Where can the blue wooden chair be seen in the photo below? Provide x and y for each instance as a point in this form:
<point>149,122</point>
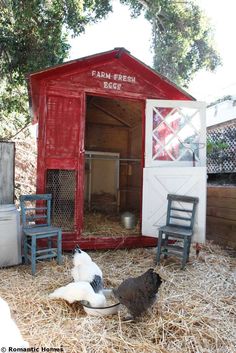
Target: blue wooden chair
<point>36,224</point>
<point>180,217</point>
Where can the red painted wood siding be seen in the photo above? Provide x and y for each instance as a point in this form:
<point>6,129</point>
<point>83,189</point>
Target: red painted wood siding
<point>62,126</point>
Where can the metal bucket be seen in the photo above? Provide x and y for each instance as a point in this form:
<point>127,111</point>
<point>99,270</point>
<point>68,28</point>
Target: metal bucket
<point>128,220</point>
<point>10,236</point>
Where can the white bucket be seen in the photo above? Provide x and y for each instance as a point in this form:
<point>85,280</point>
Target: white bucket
<point>10,237</point>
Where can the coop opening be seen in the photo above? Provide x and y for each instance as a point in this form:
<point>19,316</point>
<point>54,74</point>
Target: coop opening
<point>113,167</point>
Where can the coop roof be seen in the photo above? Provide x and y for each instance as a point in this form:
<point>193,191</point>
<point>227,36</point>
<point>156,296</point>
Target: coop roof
<point>161,87</point>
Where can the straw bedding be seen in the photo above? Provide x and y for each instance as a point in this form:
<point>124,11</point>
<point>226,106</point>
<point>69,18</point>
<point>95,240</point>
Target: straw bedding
<point>195,310</point>
<point>98,224</point>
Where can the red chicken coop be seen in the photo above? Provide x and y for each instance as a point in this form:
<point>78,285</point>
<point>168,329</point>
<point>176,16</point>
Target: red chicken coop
<point>114,138</point>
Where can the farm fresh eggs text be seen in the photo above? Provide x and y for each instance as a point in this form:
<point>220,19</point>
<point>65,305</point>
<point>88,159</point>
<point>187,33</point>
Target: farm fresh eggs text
<point>118,77</point>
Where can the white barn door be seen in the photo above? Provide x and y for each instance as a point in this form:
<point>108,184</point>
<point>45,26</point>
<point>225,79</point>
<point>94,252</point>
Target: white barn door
<point>175,161</point>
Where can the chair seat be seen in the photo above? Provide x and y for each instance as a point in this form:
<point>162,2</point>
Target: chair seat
<point>41,231</point>
<point>176,231</point>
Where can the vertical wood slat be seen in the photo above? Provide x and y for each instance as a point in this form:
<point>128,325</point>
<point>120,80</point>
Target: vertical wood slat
<point>221,215</point>
<point>7,166</point>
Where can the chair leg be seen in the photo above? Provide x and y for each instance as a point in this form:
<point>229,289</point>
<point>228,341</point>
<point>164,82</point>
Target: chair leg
<point>185,253</point>
<point>49,243</point>
<point>189,245</point>
<point>166,246</point>
<point>33,255</point>
<point>59,247</point>
<point>25,244</point>
<point>159,244</point>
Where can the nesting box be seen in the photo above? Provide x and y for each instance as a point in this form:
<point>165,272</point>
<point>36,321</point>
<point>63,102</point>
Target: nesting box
<point>115,136</point>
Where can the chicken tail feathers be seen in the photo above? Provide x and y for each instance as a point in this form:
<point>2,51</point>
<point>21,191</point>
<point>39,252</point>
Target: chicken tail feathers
<point>97,284</point>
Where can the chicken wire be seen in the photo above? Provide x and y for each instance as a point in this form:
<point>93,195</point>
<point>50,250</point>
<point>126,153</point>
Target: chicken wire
<point>61,184</point>
<point>222,160</point>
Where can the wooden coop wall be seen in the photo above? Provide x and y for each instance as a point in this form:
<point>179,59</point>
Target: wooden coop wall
<point>115,126</point>
<point>104,138</point>
<point>103,177</point>
<point>135,169</point>
<point>101,182</point>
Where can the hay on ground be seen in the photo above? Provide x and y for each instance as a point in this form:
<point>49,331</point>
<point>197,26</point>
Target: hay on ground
<point>98,224</point>
<point>195,310</point>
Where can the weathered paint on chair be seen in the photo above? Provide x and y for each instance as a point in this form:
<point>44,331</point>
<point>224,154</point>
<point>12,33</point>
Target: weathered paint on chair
<point>177,230</point>
<point>36,224</point>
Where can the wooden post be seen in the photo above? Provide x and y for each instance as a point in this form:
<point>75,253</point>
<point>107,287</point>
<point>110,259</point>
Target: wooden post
<point>7,169</point>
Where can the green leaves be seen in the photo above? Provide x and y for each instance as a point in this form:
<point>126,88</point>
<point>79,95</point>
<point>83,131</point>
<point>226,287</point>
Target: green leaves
<point>14,110</point>
<point>215,146</point>
<point>185,44</point>
<point>34,35</point>
<point>182,39</point>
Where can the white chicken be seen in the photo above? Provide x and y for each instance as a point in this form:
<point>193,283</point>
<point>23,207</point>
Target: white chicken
<point>10,335</point>
<point>86,270</point>
<point>77,291</point>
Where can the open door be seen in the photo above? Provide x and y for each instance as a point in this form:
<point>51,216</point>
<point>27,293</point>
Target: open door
<point>175,161</point>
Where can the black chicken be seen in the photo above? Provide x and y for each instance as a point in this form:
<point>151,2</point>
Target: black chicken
<point>139,293</point>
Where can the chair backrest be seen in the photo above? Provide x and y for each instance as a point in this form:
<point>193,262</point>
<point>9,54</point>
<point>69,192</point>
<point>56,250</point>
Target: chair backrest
<point>181,210</point>
<point>35,210</point>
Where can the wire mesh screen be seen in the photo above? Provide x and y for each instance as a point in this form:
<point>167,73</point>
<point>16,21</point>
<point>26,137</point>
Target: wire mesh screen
<point>61,184</point>
<point>222,158</point>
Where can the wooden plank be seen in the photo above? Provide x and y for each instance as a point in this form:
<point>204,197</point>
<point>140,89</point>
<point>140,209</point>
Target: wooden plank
<point>114,116</point>
<point>222,241</point>
<point>222,212</point>
<point>62,127</point>
<point>222,221</point>
<point>7,162</point>
<point>222,233</point>
<point>96,243</point>
<point>221,215</point>
<point>222,202</point>
<point>103,138</point>
<point>219,237</point>
<point>221,191</point>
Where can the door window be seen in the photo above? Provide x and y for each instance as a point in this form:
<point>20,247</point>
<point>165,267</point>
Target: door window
<point>176,134</point>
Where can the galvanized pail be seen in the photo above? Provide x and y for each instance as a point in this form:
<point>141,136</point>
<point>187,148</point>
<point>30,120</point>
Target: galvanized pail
<point>128,220</point>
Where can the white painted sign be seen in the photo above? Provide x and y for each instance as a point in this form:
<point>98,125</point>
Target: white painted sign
<point>110,77</point>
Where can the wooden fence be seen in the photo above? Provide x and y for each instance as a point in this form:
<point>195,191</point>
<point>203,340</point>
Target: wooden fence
<point>7,164</point>
<point>221,215</point>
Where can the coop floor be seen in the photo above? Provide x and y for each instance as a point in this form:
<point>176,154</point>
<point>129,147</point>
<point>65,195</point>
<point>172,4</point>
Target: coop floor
<point>104,225</point>
<point>194,312</point>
